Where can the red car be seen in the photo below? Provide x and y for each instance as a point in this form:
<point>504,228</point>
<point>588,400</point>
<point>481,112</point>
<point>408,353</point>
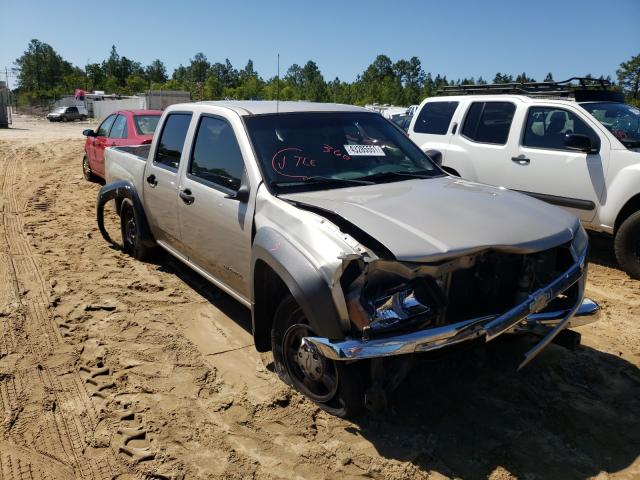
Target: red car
<point>124,127</point>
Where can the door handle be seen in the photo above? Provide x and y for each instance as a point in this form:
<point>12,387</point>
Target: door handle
<point>151,180</point>
<point>521,160</point>
<point>186,196</point>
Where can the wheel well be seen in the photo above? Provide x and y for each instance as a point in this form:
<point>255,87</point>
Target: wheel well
<point>632,206</point>
<point>451,171</point>
<point>269,290</point>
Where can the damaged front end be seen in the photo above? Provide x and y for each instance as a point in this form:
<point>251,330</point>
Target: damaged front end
<point>398,308</point>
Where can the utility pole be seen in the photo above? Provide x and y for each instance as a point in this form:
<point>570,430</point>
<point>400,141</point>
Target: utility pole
<point>9,110</point>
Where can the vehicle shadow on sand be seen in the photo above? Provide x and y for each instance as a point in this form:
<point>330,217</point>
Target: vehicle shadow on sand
<point>601,251</point>
<point>223,302</point>
<point>568,415</point>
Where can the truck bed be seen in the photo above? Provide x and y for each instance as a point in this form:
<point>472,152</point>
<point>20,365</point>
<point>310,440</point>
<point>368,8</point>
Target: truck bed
<point>140,151</point>
<point>126,163</point>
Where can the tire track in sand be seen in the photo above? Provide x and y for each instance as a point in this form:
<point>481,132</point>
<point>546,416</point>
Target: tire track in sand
<point>45,438</point>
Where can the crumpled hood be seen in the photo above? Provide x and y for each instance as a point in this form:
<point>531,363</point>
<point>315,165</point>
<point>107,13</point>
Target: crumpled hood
<point>432,219</point>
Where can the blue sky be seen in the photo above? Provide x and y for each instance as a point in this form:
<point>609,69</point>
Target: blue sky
<point>461,38</point>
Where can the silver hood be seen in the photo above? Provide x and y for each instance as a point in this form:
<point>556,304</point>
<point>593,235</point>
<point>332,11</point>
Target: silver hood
<point>433,219</point>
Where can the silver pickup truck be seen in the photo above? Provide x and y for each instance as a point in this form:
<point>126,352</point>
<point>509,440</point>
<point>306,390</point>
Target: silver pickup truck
<point>351,247</point>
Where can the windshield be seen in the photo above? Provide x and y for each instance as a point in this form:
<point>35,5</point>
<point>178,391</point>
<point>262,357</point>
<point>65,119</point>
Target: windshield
<point>341,149</point>
<point>60,110</point>
<point>622,120</point>
<point>146,124</point>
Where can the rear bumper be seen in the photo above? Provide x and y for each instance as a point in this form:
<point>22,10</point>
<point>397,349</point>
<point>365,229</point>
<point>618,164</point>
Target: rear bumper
<point>521,318</point>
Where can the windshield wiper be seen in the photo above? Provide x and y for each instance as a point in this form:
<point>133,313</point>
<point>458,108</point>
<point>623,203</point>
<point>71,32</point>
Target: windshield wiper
<point>321,179</point>
<point>391,174</point>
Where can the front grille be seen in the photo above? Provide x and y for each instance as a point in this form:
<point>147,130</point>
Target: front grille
<point>499,281</point>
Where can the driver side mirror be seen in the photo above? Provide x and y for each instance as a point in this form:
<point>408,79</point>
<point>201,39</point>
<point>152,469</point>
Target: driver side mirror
<point>89,133</point>
<point>581,143</point>
<point>241,195</point>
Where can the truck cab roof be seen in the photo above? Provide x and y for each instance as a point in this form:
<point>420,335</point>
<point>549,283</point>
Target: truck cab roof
<point>261,107</point>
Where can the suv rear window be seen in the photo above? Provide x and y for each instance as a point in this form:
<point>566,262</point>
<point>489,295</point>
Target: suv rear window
<point>172,139</point>
<point>434,118</point>
<point>489,122</point>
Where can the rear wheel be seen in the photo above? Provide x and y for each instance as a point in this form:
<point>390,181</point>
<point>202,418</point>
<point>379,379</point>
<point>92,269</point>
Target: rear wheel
<point>334,386</point>
<point>86,170</point>
<point>83,117</point>
<point>130,227</point>
<point>627,245</point>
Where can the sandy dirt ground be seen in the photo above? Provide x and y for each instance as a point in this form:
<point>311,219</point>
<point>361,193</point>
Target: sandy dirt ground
<point>113,368</point>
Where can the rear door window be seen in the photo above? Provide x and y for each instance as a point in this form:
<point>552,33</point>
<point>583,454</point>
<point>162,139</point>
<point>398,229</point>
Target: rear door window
<point>216,155</point>
<point>119,128</point>
<point>435,117</point>
<point>146,124</point>
<point>489,122</point>
<point>171,144</point>
<point>548,127</point>
<point>103,129</point>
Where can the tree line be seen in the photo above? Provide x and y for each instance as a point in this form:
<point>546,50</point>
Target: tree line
<point>43,74</point>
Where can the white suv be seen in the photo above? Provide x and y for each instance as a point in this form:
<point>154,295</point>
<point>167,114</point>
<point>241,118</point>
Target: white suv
<point>579,151</point>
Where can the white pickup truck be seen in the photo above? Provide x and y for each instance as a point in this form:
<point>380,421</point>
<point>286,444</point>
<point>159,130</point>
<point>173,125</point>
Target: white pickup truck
<point>579,149</point>
<point>351,247</point>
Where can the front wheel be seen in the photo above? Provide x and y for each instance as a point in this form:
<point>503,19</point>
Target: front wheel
<point>335,387</point>
<point>131,230</point>
<point>627,246</point>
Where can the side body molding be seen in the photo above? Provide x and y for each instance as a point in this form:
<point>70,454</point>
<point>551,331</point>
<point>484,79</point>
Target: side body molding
<point>303,280</point>
<point>120,190</point>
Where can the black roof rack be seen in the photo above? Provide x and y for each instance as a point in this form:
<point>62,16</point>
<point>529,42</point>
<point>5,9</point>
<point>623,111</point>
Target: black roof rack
<point>586,89</point>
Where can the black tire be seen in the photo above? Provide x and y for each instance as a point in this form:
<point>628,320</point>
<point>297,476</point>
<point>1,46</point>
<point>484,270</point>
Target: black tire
<point>65,119</point>
<point>89,176</point>
<point>131,232</point>
<point>340,391</point>
<point>83,118</point>
<point>627,245</point>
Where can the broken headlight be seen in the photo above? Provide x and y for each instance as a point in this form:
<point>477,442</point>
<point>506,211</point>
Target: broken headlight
<point>393,308</point>
<point>410,305</point>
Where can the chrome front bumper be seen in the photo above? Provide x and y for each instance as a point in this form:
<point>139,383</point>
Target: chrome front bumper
<point>521,318</point>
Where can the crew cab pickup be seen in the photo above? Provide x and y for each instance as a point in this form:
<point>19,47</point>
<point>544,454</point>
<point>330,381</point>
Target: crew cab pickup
<point>346,241</point>
<point>582,154</point>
